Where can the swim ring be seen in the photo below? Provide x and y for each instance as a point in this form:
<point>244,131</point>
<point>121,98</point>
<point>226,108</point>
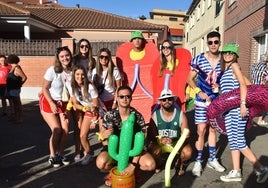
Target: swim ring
<point>256,102</point>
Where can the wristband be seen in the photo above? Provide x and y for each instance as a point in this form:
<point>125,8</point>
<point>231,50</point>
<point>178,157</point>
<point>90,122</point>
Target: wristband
<point>100,138</point>
<point>134,164</point>
<point>84,109</point>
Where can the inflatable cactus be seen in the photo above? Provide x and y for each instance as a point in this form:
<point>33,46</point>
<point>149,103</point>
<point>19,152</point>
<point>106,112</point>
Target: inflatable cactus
<point>122,154</point>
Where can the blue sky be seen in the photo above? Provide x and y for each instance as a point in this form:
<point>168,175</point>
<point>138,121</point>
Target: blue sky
<point>129,8</point>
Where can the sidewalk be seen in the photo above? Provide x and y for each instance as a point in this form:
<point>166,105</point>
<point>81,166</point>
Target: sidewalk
<point>24,154</point>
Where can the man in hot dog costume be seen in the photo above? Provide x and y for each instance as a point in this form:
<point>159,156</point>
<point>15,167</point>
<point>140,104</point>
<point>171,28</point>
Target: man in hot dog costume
<point>134,60</point>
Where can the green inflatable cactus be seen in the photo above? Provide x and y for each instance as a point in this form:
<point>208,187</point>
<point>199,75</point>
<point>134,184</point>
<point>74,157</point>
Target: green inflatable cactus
<point>126,137</point>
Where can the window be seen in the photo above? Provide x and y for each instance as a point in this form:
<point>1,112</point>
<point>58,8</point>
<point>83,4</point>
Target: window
<point>218,8</point>
<point>176,38</point>
<point>198,13</point>
<point>209,3</point>
<point>231,2</point>
<point>263,45</point>
<point>173,19</point>
<point>203,7</point>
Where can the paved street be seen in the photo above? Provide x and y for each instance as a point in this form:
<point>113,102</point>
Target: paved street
<point>24,154</point>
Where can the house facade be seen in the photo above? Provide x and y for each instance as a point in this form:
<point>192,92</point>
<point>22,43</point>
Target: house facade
<point>202,17</point>
<point>174,20</point>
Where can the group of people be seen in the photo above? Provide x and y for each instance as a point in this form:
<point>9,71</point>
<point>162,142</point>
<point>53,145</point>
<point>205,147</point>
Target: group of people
<point>98,97</point>
<point>12,77</point>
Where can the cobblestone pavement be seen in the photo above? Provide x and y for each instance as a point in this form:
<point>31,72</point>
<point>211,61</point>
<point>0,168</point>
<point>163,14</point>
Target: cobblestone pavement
<point>24,154</point>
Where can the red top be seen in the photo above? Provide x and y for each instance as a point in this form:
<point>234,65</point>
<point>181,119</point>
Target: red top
<point>4,70</point>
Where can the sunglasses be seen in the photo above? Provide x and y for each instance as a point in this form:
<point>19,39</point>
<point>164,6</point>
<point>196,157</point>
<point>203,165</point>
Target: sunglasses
<point>124,96</point>
<point>59,49</point>
<point>84,46</point>
<point>228,53</point>
<point>167,99</point>
<point>104,56</point>
<point>165,47</point>
<point>215,42</point>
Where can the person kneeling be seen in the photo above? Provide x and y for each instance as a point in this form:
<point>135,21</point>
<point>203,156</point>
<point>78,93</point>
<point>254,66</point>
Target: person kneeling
<point>165,128</point>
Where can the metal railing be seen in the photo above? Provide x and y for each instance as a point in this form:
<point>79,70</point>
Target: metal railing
<point>47,47</point>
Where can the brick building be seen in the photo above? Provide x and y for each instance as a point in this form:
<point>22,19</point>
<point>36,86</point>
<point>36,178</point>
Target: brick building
<point>246,23</point>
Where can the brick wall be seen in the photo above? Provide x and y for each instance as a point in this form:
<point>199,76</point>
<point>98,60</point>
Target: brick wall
<point>34,68</point>
<point>240,24</point>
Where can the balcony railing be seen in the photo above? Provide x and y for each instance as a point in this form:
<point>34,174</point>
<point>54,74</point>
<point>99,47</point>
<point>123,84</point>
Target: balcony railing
<point>47,47</point>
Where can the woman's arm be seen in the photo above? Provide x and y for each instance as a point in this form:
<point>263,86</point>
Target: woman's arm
<point>243,88</point>
<point>19,72</point>
<point>46,93</point>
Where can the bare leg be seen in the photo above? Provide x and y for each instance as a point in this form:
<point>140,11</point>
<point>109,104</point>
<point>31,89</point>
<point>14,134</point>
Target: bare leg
<point>54,124</point>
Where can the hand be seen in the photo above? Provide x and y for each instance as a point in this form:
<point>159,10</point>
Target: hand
<point>106,133</point>
<point>129,170</point>
<point>166,140</point>
<point>243,111</point>
<point>204,96</point>
<point>53,107</point>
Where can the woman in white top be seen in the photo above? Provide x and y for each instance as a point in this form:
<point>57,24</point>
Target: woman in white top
<point>84,97</point>
<point>53,109</point>
<point>106,78</point>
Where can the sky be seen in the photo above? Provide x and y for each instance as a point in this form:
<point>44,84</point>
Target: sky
<point>129,8</point>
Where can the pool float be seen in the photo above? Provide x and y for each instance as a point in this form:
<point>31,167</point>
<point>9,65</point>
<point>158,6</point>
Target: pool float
<point>256,102</point>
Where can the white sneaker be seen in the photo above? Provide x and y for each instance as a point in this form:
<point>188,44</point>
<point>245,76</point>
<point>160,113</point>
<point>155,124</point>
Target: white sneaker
<point>233,175</point>
<point>86,159</point>
<point>197,169</point>
<point>214,164</point>
<point>262,175</point>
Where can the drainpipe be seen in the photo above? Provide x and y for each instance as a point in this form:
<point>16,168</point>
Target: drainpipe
<point>27,34</point>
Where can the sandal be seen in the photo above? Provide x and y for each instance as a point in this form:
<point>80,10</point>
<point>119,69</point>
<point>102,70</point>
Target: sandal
<point>108,180</point>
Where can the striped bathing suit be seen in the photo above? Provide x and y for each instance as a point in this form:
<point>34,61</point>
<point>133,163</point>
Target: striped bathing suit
<point>235,124</point>
<point>206,77</point>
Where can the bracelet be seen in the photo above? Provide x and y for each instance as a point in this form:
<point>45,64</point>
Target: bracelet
<point>243,102</point>
<point>84,109</point>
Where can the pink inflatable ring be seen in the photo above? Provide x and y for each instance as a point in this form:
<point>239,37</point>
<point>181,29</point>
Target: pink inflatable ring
<point>256,102</point>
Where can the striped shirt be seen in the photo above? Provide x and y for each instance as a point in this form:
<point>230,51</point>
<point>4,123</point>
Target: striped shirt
<point>206,75</point>
<point>258,72</point>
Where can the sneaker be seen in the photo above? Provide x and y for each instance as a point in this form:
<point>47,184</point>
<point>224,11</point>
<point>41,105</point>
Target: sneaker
<point>54,162</point>
<point>214,164</point>
<point>262,175</point>
<point>77,157</point>
<point>263,123</point>
<point>87,159</point>
<point>233,175</point>
<point>64,160</point>
<point>197,169</point>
